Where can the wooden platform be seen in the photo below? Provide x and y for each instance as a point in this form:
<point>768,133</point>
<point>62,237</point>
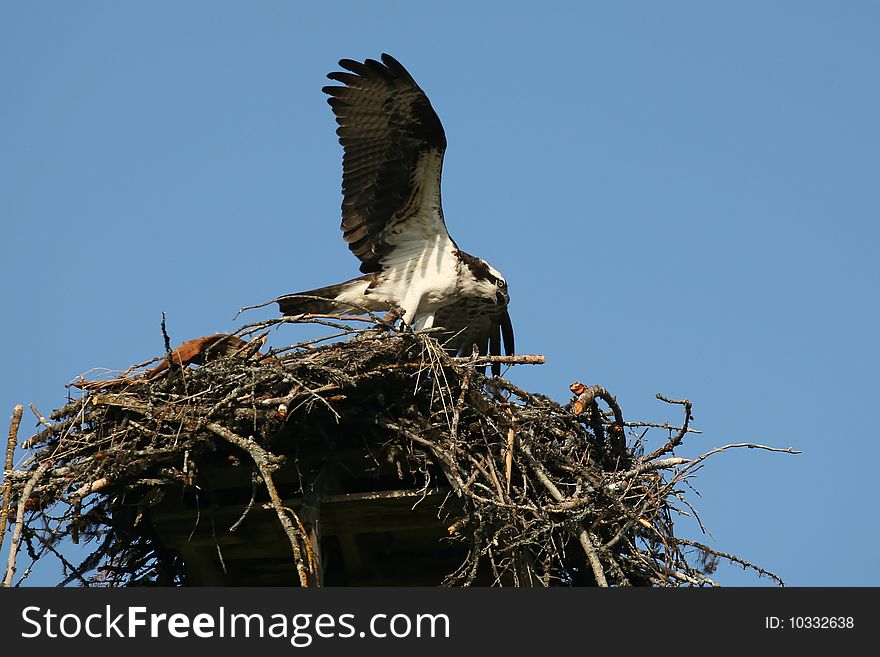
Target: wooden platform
<point>369,532</point>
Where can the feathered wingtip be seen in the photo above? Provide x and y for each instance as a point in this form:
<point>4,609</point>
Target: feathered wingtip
<point>306,303</point>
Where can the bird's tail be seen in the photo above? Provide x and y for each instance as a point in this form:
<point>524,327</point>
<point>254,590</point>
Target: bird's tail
<point>347,297</point>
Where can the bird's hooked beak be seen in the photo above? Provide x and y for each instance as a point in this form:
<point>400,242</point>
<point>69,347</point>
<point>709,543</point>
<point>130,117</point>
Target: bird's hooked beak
<point>502,298</point>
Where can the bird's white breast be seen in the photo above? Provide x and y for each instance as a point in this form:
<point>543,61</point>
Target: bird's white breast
<point>420,274</point>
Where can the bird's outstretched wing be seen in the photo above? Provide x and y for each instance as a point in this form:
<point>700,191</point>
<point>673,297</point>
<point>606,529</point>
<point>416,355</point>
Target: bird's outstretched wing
<point>393,145</point>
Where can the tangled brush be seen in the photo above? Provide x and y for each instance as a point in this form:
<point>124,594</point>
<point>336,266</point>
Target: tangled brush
<point>525,491</point>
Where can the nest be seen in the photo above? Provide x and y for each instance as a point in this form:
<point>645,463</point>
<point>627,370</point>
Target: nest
<point>514,487</point>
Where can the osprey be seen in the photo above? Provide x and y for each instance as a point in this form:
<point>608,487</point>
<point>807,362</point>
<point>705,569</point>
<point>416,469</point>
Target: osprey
<point>392,219</point>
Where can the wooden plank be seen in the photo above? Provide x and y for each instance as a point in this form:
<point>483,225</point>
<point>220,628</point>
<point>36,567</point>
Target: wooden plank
<point>351,513</point>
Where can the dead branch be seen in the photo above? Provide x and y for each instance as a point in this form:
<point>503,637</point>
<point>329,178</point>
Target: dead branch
<point>266,463</point>
<point>19,521</point>
<point>582,534</point>
<point>696,462</point>
<point>675,441</point>
<point>10,456</point>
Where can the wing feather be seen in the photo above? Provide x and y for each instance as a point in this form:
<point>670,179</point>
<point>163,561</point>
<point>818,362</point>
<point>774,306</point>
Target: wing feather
<point>388,131</point>
<point>466,328</point>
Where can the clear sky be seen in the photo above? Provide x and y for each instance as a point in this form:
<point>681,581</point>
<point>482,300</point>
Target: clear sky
<point>683,196</point>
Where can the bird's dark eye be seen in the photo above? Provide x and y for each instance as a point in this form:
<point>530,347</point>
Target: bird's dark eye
<point>502,284</point>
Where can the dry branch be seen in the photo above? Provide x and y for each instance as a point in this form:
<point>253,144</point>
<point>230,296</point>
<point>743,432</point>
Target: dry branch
<point>267,462</point>
<point>19,521</point>
<point>10,456</point>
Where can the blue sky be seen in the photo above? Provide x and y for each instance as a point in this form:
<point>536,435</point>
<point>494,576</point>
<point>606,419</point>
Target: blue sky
<point>683,197</point>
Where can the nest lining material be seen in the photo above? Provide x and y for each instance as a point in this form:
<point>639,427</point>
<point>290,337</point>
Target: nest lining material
<point>538,493</point>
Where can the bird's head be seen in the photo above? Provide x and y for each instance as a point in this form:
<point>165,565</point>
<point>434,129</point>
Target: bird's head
<point>485,281</point>
<point>500,292</point>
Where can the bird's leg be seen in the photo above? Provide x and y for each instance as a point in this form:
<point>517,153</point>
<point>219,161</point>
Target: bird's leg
<point>425,322</point>
<point>410,305</point>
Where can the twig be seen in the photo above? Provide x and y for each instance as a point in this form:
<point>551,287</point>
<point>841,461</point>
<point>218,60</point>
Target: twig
<point>459,405</point>
<point>19,521</point>
<point>583,536</point>
<point>267,462</point>
<point>593,557</point>
<point>696,462</point>
<point>167,342</point>
<point>733,559</point>
<point>250,504</point>
<point>449,465</point>
<point>92,487</point>
<point>675,441</point>
<point>587,397</point>
<point>508,459</point>
<point>40,417</point>
<point>657,425</point>
<point>523,359</point>
<point>646,467</point>
<point>504,384</point>
<point>75,573</point>
<point>10,459</point>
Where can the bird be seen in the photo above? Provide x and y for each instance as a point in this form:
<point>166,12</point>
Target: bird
<point>392,218</point>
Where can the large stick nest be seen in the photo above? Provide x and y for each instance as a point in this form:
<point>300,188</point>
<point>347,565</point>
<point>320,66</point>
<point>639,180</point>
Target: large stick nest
<point>537,493</point>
